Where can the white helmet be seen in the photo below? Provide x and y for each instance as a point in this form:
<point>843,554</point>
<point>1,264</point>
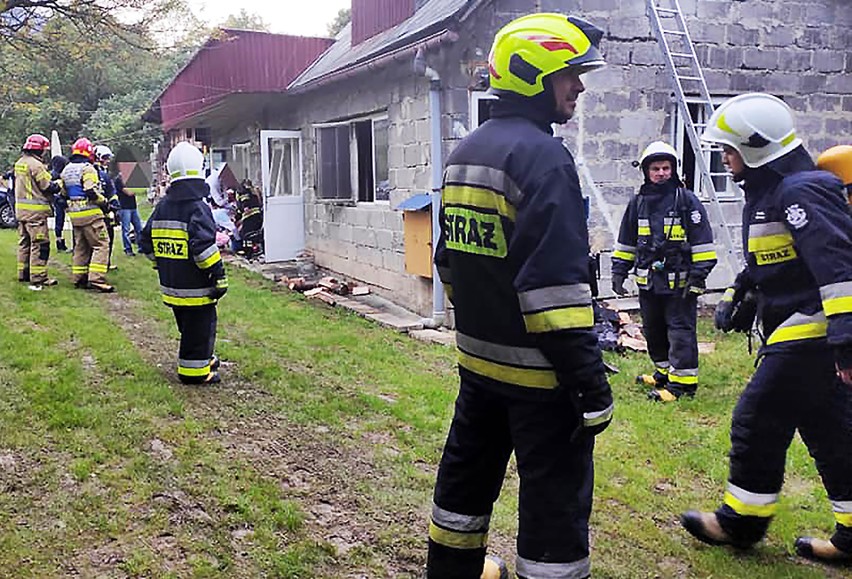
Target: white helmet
<point>185,162</point>
<point>758,125</point>
<point>658,151</point>
<point>102,151</point>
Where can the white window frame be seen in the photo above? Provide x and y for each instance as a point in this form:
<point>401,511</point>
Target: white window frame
<point>241,153</point>
<point>295,162</point>
<point>373,119</point>
<point>476,96</point>
<point>353,158</point>
<point>731,192</point>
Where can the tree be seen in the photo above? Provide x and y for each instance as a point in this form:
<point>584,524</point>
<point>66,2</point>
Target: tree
<point>22,20</point>
<point>344,15</point>
<point>79,77</point>
<point>245,21</point>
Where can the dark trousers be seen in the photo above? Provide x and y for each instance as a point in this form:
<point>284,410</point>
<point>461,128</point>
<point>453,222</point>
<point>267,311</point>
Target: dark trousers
<point>555,471</point>
<point>789,391</point>
<point>58,219</point>
<point>669,322</point>
<point>197,327</point>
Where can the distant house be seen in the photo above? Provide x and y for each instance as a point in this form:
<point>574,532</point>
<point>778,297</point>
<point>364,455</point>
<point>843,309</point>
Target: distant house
<point>349,137</point>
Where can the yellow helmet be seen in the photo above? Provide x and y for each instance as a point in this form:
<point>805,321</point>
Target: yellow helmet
<point>531,47</point>
<point>837,160</point>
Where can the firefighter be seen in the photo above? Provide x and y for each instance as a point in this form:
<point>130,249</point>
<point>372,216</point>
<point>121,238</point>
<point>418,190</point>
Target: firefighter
<point>513,255</point>
<point>60,203</point>
<point>103,156</point>
<point>250,220</point>
<point>181,237</point>
<point>838,160</point>
<point>86,206</point>
<point>798,235</point>
<point>667,242</point>
<point>34,192</point>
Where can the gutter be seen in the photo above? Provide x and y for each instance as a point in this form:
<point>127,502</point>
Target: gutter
<point>437,166</point>
<point>402,54</point>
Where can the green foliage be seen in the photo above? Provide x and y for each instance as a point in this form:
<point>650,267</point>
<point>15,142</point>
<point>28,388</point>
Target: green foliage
<point>245,20</point>
<point>80,71</point>
<point>344,15</point>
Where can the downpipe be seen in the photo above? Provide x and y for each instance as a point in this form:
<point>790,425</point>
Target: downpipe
<point>439,314</point>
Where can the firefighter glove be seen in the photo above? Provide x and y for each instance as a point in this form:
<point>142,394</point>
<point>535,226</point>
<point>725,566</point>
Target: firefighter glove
<point>736,311</point>
<point>693,288</point>
<point>596,405</point>
<point>618,284</point>
<point>220,289</point>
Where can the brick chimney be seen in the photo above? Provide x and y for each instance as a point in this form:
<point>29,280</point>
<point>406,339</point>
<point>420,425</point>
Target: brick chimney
<point>369,17</point>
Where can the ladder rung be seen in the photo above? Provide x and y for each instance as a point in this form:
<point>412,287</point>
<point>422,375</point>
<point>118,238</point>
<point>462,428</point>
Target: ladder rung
<point>722,174</point>
<point>678,32</point>
<point>682,54</point>
<point>667,10</point>
<point>691,78</point>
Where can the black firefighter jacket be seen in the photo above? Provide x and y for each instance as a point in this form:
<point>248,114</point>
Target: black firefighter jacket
<point>798,235</point>
<point>665,224</point>
<point>181,237</point>
<point>513,256</point>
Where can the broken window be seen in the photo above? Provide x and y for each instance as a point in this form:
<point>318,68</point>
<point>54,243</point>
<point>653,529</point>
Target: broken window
<point>724,186</point>
<point>333,173</point>
<point>362,144</point>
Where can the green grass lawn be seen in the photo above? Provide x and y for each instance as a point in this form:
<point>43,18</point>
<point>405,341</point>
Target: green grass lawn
<point>316,456</point>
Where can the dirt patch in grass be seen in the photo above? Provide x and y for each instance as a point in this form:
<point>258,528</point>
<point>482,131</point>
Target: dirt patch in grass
<point>319,469</point>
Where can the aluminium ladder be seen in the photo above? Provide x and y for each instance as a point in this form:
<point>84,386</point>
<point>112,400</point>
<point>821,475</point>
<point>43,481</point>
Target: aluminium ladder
<point>687,78</point>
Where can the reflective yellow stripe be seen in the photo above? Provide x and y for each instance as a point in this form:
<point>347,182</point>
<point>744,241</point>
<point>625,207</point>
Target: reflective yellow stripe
<point>456,540</point>
<point>626,256</point>
<point>560,319</point>
<point>704,256</point>
<point>770,242</point>
<point>479,198</point>
<point>675,379</point>
<point>742,508</point>
<point>79,269</point>
<point>788,139</point>
<point>169,234</point>
<point>98,268</point>
<point>643,230</point>
<point>85,213</point>
<point>510,374</point>
<point>844,519</point>
<point>723,124</point>
<point>33,206</point>
<point>210,261</point>
<point>675,232</point>
<point>835,306</point>
<point>728,296</point>
<point>798,332</point>
<point>173,301</point>
<point>194,372</point>
<point>641,280</point>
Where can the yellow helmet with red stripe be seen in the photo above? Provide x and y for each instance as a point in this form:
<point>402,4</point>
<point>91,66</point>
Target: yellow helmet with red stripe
<point>531,47</point>
<point>837,160</point>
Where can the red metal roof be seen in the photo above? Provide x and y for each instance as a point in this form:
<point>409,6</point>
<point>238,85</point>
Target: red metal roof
<point>236,61</point>
<point>369,17</point>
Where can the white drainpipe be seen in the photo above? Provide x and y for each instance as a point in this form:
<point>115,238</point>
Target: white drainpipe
<point>420,67</point>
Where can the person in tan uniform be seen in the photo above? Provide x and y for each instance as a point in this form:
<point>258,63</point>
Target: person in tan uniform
<point>34,191</point>
<point>86,207</point>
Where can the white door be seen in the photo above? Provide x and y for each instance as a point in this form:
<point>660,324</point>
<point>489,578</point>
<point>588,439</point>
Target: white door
<point>284,214</point>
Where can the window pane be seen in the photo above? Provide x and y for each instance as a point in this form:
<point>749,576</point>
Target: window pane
<point>380,145</point>
<point>333,163</point>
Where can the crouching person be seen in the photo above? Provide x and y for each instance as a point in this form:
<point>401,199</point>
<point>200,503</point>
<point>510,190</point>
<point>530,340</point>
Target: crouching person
<point>181,237</point>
